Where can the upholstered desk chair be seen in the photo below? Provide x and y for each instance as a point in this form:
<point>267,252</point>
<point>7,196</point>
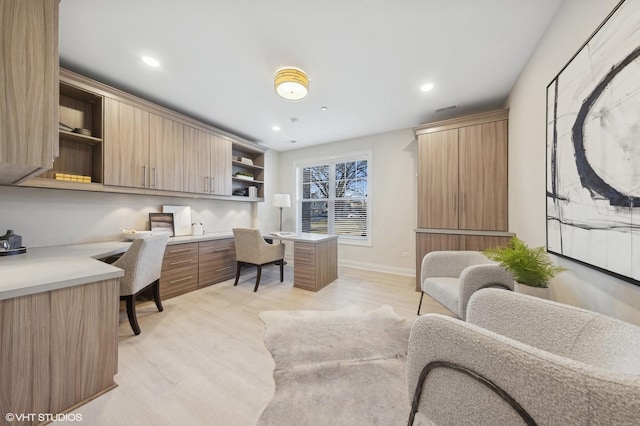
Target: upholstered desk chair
<point>142,264</point>
<point>519,359</point>
<point>451,277</point>
<point>252,249</point>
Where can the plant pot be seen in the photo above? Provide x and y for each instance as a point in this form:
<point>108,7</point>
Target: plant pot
<point>541,292</point>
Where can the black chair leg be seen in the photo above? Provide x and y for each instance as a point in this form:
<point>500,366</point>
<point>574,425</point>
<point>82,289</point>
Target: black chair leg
<point>237,273</point>
<point>282,270</point>
<point>156,295</point>
<point>131,313</point>
<point>420,304</point>
<point>258,278</point>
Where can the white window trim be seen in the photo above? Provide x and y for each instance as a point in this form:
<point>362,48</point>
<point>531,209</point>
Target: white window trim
<point>351,156</point>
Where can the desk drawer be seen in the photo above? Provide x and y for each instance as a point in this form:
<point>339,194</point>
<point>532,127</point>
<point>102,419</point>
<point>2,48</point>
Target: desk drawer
<point>181,250</point>
<point>217,260</point>
<point>178,280</point>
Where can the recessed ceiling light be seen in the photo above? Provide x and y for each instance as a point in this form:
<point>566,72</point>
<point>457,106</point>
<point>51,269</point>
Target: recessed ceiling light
<point>324,108</point>
<point>275,128</point>
<point>292,142</point>
<point>150,61</point>
<point>427,87</point>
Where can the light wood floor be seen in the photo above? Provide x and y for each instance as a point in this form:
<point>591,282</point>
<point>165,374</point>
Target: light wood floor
<point>203,361</point>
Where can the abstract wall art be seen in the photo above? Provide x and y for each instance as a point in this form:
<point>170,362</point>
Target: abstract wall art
<point>593,149</point>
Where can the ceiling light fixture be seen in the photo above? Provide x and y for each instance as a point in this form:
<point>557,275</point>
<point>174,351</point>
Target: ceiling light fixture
<point>150,61</point>
<point>324,108</point>
<point>276,128</point>
<point>426,87</point>
<point>291,84</point>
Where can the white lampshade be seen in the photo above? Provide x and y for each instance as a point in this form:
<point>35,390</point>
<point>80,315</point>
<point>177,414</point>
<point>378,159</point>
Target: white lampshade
<point>281,200</point>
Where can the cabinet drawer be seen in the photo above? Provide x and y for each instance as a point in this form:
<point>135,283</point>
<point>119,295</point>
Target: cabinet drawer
<point>177,250</point>
<point>220,249</point>
<point>178,280</point>
<point>304,249</point>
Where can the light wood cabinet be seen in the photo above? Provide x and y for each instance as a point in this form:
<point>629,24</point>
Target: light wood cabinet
<point>29,87</point>
<point>221,166</point>
<point>137,147</point>
<point>166,154</point>
<point>463,174</point>
<point>216,261</point>
<point>315,264</point>
<point>59,348</point>
<point>208,163</point>
<point>126,147</point>
<point>462,184</point>
<point>179,270</point>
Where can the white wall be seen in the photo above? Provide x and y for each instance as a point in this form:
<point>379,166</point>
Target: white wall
<point>394,162</point>
<point>575,21</point>
<point>47,217</point>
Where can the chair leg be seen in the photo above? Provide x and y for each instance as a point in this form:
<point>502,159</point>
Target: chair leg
<point>420,304</point>
<point>131,313</point>
<point>237,273</point>
<point>258,278</point>
<point>282,270</point>
<point>156,295</point>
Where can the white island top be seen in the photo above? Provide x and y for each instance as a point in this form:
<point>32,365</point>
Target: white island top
<point>50,268</point>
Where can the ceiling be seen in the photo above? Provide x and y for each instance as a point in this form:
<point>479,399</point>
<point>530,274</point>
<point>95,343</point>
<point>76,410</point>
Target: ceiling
<point>366,59</point>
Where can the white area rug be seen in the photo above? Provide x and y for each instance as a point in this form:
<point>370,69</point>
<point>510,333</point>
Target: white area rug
<point>344,367</point>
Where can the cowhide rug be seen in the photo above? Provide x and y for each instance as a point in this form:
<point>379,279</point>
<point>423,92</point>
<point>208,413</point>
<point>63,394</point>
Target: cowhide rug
<point>344,367</point>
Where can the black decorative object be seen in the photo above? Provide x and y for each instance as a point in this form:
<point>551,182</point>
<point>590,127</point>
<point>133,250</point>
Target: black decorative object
<point>593,178</point>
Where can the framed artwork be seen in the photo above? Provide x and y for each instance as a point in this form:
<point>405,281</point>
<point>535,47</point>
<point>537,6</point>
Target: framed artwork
<point>593,150</point>
<point>162,223</point>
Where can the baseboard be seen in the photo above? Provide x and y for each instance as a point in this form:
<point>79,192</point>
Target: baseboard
<point>369,267</point>
<point>377,268</point>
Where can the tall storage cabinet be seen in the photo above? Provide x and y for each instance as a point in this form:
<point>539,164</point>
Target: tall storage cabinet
<point>462,184</point>
<point>29,87</point>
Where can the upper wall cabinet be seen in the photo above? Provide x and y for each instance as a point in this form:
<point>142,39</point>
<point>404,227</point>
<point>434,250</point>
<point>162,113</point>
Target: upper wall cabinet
<point>112,141</point>
<point>126,148</point>
<point>29,87</point>
<point>207,163</point>
<point>463,173</point>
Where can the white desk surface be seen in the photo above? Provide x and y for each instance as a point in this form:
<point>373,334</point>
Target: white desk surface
<point>50,268</point>
<point>303,237</point>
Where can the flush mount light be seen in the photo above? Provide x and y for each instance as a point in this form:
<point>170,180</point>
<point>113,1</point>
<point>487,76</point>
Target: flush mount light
<point>291,84</point>
<point>427,87</point>
<point>150,61</point>
<point>324,108</point>
<point>275,128</point>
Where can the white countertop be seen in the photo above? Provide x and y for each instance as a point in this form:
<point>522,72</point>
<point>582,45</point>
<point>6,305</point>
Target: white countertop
<point>51,268</point>
<point>303,237</point>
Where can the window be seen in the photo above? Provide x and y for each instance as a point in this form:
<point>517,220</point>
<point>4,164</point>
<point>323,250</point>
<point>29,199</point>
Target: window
<point>333,198</point>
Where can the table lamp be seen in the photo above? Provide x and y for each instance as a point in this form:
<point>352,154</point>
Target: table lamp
<point>281,200</point>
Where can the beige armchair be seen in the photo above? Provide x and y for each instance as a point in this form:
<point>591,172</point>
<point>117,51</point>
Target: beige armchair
<point>451,277</point>
<point>519,359</point>
<point>252,249</point>
<point>142,264</point>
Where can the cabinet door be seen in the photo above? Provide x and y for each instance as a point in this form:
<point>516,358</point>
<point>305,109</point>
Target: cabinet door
<point>220,166</point>
<point>166,153</point>
<point>216,261</point>
<point>197,158</point>
<point>29,70</point>
<point>483,177</point>
<point>126,145</point>
<point>438,180</point>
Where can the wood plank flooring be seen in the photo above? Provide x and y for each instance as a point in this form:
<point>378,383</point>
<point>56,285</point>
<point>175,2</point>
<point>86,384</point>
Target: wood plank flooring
<point>203,361</point>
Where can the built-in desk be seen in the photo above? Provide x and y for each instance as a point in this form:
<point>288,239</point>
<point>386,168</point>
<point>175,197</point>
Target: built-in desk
<point>315,259</point>
<point>59,317</point>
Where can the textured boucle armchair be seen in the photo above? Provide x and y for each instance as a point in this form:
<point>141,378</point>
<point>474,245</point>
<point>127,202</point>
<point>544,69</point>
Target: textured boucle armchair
<point>252,249</point>
<point>559,365</point>
<point>451,277</point>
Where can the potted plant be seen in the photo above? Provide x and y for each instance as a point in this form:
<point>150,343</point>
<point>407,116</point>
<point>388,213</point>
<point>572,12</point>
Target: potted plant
<point>531,267</point>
